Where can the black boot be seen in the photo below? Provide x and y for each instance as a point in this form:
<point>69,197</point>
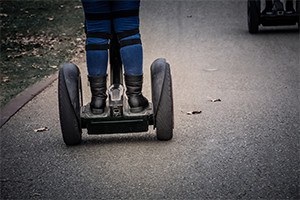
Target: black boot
<point>98,90</point>
<point>136,100</point>
<point>278,6</point>
<point>289,8</point>
<point>268,9</point>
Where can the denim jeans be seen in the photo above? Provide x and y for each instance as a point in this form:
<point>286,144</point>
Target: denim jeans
<point>131,55</point>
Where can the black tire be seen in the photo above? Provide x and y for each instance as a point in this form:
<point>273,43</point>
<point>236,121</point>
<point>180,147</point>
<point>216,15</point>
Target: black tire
<point>253,10</point>
<point>69,106</point>
<point>164,113</point>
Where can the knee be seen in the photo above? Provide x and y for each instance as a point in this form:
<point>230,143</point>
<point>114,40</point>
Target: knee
<point>129,37</point>
<point>97,40</point>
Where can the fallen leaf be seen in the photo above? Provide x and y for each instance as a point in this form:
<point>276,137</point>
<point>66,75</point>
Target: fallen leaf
<point>19,55</point>
<point>35,66</point>
<point>5,79</point>
<point>53,66</point>
<point>211,69</point>
<point>77,7</point>
<point>3,15</point>
<point>194,112</point>
<point>215,100</point>
<point>35,52</point>
<point>42,129</point>
<point>50,18</point>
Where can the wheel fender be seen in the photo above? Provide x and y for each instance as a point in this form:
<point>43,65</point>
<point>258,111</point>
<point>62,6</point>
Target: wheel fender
<point>72,80</point>
<point>158,73</point>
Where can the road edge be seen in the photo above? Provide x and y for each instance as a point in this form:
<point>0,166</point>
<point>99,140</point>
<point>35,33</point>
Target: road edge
<point>24,97</point>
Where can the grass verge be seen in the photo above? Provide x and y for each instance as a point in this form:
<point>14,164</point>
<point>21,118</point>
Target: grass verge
<point>36,37</point>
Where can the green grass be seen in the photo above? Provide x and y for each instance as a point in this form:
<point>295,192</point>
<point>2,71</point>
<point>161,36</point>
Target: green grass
<point>36,37</point>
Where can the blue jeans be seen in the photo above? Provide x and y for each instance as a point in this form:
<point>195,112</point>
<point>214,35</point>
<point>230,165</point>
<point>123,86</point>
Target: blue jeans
<point>100,17</point>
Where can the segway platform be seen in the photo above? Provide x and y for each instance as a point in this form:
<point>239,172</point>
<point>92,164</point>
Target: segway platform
<point>277,18</point>
<point>117,117</point>
<point>114,120</point>
<point>281,19</point>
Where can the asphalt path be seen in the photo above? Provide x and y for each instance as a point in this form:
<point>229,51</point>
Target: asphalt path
<point>244,146</point>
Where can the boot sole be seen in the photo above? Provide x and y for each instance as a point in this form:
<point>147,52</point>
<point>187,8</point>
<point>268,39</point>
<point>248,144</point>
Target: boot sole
<point>138,109</point>
<point>97,111</point>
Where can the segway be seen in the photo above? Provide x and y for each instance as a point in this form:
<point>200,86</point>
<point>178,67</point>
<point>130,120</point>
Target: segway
<point>117,117</point>
<point>278,17</point>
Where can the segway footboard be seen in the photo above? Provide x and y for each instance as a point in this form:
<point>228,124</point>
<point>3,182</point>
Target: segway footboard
<point>279,19</point>
<point>109,123</point>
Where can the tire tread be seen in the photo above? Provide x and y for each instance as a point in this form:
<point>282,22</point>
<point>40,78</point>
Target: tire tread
<point>165,112</point>
<point>70,126</point>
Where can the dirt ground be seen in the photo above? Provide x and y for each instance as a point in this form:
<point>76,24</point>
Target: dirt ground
<point>36,37</point>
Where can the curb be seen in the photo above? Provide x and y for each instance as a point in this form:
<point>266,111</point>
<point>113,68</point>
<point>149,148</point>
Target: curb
<point>24,97</point>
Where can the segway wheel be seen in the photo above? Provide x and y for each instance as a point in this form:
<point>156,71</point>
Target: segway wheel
<point>298,12</point>
<point>162,97</point>
<point>69,85</point>
<point>253,16</point>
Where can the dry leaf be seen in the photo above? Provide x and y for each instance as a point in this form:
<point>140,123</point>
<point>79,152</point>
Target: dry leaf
<point>3,15</point>
<point>215,100</point>
<point>194,112</point>
<point>5,79</point>
<point>42,129</point>
<point>211,69</point>
<point>35,66</point>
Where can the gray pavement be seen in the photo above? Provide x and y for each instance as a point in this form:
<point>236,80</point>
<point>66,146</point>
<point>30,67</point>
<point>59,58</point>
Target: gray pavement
<point>246,146</point>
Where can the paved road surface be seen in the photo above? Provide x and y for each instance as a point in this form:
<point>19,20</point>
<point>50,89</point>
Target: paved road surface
<point>246,146</point>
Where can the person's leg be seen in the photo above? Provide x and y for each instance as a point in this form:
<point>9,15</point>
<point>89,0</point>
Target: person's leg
<point>289,7</point>
<point>98,25</point>
<point>268,8</point>
<point>126,24</point>
<point>278,6</point>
